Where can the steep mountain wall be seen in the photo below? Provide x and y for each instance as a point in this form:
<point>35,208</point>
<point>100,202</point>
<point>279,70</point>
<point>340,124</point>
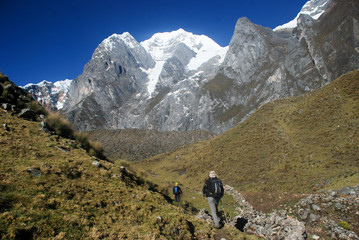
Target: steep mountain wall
<point>180,81</point>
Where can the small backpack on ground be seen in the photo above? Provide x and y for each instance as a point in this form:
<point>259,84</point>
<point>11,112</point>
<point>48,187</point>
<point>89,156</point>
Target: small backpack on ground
<point>216,188</point>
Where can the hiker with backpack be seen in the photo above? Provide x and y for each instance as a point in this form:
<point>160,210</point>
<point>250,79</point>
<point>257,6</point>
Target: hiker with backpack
<point>213,190</point>
<point>177,191</point>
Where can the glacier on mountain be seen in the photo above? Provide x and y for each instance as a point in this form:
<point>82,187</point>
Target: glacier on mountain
<point>313,8</point>
<point>164,46</point>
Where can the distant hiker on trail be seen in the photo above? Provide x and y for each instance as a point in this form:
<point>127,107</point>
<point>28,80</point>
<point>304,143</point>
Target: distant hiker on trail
<point>177,191</point>
<point>213,191</point>
<point>123,173</point>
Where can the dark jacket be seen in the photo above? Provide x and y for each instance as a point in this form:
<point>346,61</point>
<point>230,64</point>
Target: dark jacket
<point>208,188</point>
<point>179,190</point>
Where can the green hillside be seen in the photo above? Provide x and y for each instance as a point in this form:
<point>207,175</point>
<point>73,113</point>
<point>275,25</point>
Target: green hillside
<point>288,146</point>
<point>50,189</point>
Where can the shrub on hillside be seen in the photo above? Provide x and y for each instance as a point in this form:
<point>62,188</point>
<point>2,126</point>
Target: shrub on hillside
<point>7,94</point>
<point>63,128</point>
<point>344,225</point>
<point>96,150</point>
<point>82,138</point>
<point>60,125</point>
<point>37,108</point>
<point>93,148</point>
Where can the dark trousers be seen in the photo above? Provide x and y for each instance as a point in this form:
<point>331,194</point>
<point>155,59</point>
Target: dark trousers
<point>177,197</point>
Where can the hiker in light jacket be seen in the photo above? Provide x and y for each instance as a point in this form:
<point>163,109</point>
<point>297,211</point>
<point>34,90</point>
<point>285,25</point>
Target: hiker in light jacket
<point>213,191</point>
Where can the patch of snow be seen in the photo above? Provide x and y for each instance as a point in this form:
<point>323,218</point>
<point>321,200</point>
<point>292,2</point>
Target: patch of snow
<point>63,85</point>
<point>40,84</point>
<point>153,75</point>
<point>313,8</point>
<point>60,104</point>
<point>109,43</point>
<point>128,39</point>
<point>291,24</point>
<point>206,53</point>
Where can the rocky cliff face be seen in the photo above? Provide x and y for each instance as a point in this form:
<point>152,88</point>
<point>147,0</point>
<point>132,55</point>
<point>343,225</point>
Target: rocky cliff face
<point>111,78</point>
<point>262,65</point>
<point>180,81</point>
<point>266,65</point>
<point>147,86</point>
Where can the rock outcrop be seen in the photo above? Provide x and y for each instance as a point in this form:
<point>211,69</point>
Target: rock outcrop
<point>331,210</point>
<point>277,225</point>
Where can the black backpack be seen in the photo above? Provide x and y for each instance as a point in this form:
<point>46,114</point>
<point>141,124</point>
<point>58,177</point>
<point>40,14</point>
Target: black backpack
<point>216,188</point>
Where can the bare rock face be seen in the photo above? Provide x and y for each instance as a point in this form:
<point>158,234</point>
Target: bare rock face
<point>333,39</point>
<point>263,65</point>
<point>112,77</point>
<point>180,81</point>
<point>260,66</point>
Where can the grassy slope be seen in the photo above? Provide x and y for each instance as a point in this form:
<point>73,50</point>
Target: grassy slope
<point>136,144</point>
<point>288,145</point>
<point>73,199</point>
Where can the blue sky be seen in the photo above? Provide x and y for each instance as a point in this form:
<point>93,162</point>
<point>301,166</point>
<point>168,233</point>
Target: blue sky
<point>53,39</point>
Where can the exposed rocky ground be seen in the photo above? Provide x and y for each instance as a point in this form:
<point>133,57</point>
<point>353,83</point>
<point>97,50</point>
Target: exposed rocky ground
<point>325,215</point>
<point>337,211</point>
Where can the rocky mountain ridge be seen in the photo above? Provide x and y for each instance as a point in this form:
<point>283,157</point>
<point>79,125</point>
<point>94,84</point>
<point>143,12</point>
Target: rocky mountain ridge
<point>50,95</point>
<point>151,85</point>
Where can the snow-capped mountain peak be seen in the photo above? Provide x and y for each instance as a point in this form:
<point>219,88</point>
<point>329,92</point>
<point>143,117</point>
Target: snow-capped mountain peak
<point>40,84</point>
<point>163,46</point>
<point>50,94</point>
<point>126,37</point>
<point>313,8</point>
